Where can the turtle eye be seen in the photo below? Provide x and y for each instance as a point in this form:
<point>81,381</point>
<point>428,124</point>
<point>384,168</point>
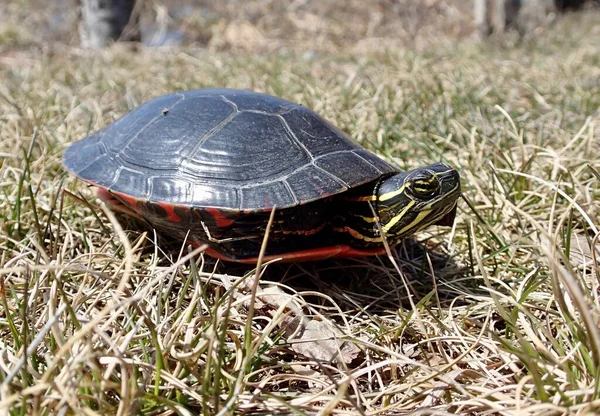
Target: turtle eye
<point>424,185</point>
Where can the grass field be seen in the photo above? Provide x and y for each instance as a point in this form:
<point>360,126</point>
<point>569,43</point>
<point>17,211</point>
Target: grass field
<point>498,315</point>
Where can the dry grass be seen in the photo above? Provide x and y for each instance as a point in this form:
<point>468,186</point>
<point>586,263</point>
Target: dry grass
<point>499,315</point>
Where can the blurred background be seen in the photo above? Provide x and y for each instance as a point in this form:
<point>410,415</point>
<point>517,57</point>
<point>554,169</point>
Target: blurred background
<point>270,25</point>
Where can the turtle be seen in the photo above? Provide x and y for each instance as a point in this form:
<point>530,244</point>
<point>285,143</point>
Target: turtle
<point>209,167</point>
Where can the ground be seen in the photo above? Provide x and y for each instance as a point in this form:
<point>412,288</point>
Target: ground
<point>497,315</point>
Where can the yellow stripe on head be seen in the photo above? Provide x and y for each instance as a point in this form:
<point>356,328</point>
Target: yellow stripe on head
<point>410,201</point>
<point>420,216</point>
<point>393,194</point>
<point>425,182</point>
<point>386,227</point>
<point>416,225</point>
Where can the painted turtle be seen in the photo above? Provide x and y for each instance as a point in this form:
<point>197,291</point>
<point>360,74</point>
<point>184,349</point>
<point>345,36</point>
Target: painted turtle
<point>210,166</point>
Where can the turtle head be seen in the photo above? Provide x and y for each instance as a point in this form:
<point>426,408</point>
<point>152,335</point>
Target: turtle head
<point>409,201</point>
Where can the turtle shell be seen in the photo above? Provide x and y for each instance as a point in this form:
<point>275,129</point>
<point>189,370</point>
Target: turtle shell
<point>227,149</point>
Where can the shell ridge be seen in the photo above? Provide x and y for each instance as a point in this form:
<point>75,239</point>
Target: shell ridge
<point>115,177</point>
<point>137,165</point>
<point>150,184</point>
<point>94,160</point>
<point>278,113</point>
<point>290,191</point>
<point>337,152</point>
<point>240,198</point>
<point>334,177</point>
<point>231,103</point>
<point>103,146</point>
<point>298,169</point>
<point>118,175</point>
<point>298,143</point>
<point>369,162</point>
<point>208,135</point>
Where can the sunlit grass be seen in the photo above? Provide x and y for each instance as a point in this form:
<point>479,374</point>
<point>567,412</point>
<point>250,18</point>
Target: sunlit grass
<point>497,315</point>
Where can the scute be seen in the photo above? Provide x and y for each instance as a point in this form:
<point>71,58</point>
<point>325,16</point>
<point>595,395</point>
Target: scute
<point>214,195</point>
<point>317,134</point>
<point>83,153</point>
<point>349,167</point>
<point>135,181</point>
<point>227,149</point>
<point>117,135</point>
<point>171,134</point>
<point>177,190</point>
<point>312,181</point>
<point>267,195</point>
<point>102,171</point>
<point>246,150</point>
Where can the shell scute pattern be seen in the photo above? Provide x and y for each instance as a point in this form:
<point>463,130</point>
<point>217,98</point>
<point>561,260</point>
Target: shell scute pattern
<point>103,171</point>
<point>135,181</point>
<point>268,195</point>
<point>224,149</point>
<point>315,133</point>
<point>167,139</point>
<point>249,161</point>
<point>117,135</point>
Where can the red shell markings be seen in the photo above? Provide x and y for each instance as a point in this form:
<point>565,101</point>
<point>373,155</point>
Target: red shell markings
<point>117,200</point>
<point>221,220</point>
<point>267,202</point>
<point>338,251</point>
<point>170,211</point>
<point>130,205</point>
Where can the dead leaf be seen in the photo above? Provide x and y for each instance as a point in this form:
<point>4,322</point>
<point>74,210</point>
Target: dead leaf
<point>319,339</point>
<point>322,341</point>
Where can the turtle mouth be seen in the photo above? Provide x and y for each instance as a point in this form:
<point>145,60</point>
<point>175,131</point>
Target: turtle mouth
<point>448,219</point>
